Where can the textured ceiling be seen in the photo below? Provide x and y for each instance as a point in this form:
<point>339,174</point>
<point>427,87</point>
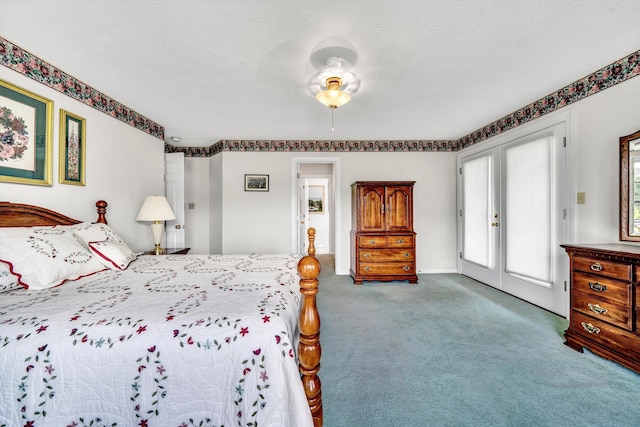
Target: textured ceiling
<point>433,69</point>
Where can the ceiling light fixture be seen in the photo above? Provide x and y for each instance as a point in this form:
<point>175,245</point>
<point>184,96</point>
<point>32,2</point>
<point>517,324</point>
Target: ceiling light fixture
<point>333,97</point>
<point>334,83</point>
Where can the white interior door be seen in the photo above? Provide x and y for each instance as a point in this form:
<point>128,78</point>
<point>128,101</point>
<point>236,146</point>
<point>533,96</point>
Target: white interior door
<point>174,189</point>
<point>512,217</point>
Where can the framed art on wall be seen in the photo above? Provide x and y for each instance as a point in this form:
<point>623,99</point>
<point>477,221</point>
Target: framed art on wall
<point>316,199</point>
<point>256,182</point>
<point>72,149</point>
<point>26,136</point>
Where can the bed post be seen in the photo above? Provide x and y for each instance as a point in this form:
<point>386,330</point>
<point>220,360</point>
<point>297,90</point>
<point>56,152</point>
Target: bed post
<point>101,206</point>
<point>309,350</point>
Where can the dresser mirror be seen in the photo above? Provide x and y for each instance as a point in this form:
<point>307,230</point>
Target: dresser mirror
<point>630,187</point>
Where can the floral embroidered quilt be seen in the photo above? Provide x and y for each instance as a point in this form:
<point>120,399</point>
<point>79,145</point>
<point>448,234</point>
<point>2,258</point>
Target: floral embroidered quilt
<point>183,340</point>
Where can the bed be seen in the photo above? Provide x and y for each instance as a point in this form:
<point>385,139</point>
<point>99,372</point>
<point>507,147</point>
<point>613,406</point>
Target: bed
<point>172,340</point>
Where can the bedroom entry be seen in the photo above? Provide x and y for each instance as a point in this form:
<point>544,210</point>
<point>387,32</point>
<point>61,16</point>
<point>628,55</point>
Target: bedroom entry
<point>512,217</point>
<point>315,204</point>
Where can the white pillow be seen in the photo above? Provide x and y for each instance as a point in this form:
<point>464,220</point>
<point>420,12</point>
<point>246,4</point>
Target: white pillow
<point>8,280</point>
<point>90,232</point>
<point>44,257</point>
<point>114,255</point>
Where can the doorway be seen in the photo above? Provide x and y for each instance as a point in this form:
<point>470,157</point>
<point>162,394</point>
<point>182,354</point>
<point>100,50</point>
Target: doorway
<point>512,217</point>
<point>316,203</point>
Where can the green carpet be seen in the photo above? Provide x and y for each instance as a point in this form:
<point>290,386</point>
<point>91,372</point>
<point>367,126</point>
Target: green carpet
<point>450,351</point>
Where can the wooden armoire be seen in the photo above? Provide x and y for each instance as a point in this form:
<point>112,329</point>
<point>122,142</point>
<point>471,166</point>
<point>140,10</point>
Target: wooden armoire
<point>383,243</point>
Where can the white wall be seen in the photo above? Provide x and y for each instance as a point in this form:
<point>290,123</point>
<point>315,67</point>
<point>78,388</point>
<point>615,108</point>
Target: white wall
<point>599,122</point>
<point>434,201</point>
<point>262,221</point>
<point>256,221</point>
<point>124,165</point>
<point>215,205</point>
<point>197,194</point>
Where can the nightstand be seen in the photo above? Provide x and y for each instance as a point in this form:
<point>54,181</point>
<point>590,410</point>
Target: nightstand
<point>170,251</point>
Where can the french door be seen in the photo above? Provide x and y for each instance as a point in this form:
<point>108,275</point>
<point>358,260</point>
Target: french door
<point>512,217</point>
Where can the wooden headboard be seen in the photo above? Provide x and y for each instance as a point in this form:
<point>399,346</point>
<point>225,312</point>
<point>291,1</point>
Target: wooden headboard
<point>20,215</point>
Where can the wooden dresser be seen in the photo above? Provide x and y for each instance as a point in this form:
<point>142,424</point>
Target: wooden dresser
<point>383,243</point>
<point>605,313</point>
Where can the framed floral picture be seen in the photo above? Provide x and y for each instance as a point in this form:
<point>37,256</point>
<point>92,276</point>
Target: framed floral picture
<point>26,136</point>
<point>72,149</point>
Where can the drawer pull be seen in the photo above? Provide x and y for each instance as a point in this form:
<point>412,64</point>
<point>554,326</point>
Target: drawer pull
<point>590,328</point>
<point>401,241</point>
<point>597,309</point>
<point>406,268</point>
<point>407,254</point>
<point>366,269</point>
<point>372,242</point>
<point>596,266</point>
<point>367,255</point>
<point>597,287</point>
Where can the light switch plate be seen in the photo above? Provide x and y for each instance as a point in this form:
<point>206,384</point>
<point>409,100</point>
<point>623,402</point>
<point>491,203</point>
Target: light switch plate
<point>582,197</point>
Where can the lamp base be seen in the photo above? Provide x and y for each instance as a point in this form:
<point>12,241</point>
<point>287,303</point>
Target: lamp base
<point>158,250</point>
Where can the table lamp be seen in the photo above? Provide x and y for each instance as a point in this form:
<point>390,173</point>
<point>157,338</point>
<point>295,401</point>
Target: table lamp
<point>157,210</point>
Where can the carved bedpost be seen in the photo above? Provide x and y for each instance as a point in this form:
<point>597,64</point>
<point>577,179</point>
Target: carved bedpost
<point>101,205</point>
<point>309,350</point>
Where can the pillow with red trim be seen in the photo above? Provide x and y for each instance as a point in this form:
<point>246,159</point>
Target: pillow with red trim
<point>44,257</point>
<point>8,280</point>
<point>114,255</point>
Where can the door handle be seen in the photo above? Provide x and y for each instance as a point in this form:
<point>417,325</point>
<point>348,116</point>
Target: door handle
<point>178,227</point>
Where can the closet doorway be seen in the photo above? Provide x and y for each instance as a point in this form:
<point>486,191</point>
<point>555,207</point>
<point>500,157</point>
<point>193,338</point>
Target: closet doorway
<point>315,204</point>
<point>512,217</point>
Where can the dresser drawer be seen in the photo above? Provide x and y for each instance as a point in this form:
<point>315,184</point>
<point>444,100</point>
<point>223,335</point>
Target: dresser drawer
<point>372,241</point>
<point>603,310</point>
<point>387,268</point>
<point>605,334</point>
<point>611,269</point>
<point>386,255</point>
<point>402,241</point>
<point>605,288</point>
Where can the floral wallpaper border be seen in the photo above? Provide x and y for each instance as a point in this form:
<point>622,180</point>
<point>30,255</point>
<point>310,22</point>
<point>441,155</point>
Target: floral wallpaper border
<point>311,145</point>
<point>29,65</point>
<point>18,59</point>
<point>617,72</point>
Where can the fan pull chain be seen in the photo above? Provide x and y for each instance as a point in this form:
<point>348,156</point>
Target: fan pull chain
<point>332,119</point>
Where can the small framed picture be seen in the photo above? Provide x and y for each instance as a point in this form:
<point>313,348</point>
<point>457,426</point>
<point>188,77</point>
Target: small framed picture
<point>256,182</point>
<point>72,148</point>
<point>316,199</point>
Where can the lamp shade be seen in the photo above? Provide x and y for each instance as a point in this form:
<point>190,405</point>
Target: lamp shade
<point>155,208</point>
<point>333,98</point>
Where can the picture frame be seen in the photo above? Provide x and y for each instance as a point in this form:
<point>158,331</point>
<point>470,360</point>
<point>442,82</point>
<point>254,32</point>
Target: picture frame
<point>72,166</point>
<point>253,182</point>
<point>26,136</point>
<point>316,199</point>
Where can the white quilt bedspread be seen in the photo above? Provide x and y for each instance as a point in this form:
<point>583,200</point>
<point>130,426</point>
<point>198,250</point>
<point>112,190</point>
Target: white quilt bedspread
<point>179,340</point>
